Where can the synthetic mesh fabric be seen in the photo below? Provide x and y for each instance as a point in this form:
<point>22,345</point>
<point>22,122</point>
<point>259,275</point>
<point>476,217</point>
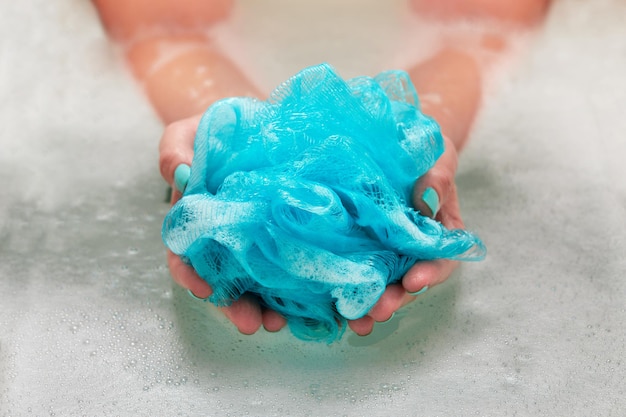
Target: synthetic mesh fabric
<point>303,199</point>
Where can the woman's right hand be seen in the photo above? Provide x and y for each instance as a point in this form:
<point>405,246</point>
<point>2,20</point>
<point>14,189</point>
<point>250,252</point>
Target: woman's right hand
<point>246,313</point>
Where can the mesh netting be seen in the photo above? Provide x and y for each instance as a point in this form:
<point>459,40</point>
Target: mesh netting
<point>303,199</point>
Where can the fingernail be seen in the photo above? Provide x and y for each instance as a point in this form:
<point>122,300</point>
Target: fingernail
<point>195,297</point>
<point>181,177</point>
<point>431,198</point>
<point>422,291</point>
<point>390,318</point>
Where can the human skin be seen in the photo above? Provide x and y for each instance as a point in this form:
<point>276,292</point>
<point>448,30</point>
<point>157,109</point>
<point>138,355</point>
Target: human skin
<point>514,12</point>
<point>127,20</point>
<point>169,53</point>
<point>197,76</point>
<point>183,73</point>
<point>455,79</point>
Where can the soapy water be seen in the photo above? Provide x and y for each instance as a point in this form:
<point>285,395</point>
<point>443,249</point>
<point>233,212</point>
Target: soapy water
<point>303,200</point>
<point>459,346</point>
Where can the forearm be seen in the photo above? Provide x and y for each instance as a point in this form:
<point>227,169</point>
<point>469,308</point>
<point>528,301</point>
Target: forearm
<point>450,83</point>
<point>449,87</point>
<point>129,20</point>
<point>512,12</point>
<point>168,51</point>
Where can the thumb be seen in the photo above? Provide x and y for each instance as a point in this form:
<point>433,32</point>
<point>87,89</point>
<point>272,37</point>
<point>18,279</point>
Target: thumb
<point>176,146</point>
<point>436,189</point>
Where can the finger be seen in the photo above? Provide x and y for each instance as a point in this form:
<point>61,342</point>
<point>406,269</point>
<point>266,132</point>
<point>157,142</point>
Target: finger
<point>433,190</point>
<point>450,213</point>
<point>424,275</point>
<point>176,146</point>
<point>362,326</point>
<point>185,276</point>
<point>393,298</point>
<point>245,313</point>
<point>272,321</point>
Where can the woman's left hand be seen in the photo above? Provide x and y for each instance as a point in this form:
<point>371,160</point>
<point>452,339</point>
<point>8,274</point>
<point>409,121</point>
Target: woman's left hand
<point>434,195</point>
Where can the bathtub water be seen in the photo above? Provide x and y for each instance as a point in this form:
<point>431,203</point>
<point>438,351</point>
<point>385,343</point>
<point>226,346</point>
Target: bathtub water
<point>91,324</point>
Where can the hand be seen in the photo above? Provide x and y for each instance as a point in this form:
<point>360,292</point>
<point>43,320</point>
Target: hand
<point>422,275</point>
<point>247,315</point>
<point>454,78</point>
<point>176,148</point>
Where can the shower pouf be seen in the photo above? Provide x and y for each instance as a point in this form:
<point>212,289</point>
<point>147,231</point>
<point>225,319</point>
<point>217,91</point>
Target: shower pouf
<point>304,199</point>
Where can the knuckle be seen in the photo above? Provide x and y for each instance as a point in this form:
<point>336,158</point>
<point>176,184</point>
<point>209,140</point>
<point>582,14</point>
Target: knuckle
<point>444,182</point>
<point>172,148</point>
<point>167,162</point>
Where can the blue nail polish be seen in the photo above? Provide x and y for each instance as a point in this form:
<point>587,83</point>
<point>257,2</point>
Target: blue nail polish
<point>195,297</point>
<point>431,198</point>
<point>422,291</point>
<point>181,176</point>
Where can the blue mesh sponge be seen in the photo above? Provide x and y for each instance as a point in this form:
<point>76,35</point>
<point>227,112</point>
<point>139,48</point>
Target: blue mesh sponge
<point>303,199</point>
